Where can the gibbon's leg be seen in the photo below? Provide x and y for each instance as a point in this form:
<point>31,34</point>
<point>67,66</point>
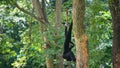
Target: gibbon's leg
<point>72,56</point>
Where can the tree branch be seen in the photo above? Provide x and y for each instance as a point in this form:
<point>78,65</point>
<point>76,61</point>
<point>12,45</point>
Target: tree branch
<point>32,15</point>
<point>40,10</point>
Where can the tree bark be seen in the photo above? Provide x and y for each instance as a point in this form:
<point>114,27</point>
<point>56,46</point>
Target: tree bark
<point>79,33</point>
<point>49,63</point>
<point>40,10</point>
<point>58,19</point>
<point>115,12</point>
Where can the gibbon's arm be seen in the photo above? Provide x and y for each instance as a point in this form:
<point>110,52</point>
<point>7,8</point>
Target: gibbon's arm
<point>67,46</point>
<point>69,32</point>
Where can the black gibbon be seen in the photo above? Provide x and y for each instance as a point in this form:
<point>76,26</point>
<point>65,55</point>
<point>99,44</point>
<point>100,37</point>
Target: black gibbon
<point>68,45</point>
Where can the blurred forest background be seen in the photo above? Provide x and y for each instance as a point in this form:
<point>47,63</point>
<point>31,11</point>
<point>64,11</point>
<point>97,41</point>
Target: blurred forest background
<point>30,41</point>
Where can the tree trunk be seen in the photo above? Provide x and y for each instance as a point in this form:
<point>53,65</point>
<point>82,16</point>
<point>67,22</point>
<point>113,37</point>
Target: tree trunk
<point>79,33</point>
<point>49,63</point>
<point>58,26</point>
<point>115,12</point>
<point>49,60</point>
<point>40,10</point>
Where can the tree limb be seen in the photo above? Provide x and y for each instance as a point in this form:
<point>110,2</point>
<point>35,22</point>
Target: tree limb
<point>40,9</point>
<point>32,15</point>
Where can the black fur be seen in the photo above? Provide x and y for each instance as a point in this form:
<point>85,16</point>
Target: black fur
<point>68,45</point>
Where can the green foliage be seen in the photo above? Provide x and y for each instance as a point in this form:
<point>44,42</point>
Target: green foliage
<point>99,30</point>
<point>67,4</point>
<point>21,45</point>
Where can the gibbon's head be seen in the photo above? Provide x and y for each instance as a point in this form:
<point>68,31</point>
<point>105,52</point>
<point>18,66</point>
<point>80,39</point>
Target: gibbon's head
<point>71,45</point>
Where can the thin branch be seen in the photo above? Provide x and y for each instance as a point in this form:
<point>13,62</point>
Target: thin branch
<point>32,15</point>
